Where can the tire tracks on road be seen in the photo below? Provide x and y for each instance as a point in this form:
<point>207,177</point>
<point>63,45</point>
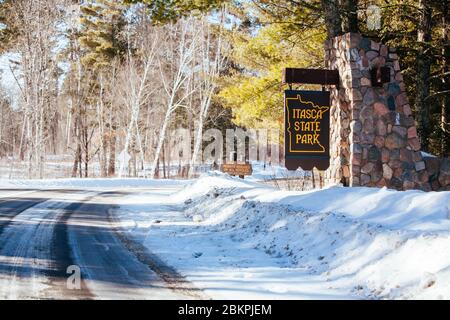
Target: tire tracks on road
<point>6,219</point>
<point>173,279</point>
<point>40,247</point>
<point>38,250</point>
<point>64,255</point>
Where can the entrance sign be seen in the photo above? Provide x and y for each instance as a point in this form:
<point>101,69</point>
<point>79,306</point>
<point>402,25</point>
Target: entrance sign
<point>307,129</point>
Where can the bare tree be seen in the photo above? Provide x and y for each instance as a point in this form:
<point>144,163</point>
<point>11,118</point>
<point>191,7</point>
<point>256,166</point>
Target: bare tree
<point>135,84</point>
<point>37,75</point>
<point>176,71</point>
<point>210,64</point>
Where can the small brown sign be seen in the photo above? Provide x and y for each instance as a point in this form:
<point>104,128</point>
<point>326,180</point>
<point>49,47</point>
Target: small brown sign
<point>237,169</point>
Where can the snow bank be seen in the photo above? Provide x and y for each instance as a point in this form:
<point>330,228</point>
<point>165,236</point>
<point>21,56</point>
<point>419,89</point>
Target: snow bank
<point>377,243</point>
<point>241,239</point>
<point>413,210</point>
<point>209,181</point>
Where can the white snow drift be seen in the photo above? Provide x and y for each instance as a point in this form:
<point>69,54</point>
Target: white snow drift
<point>240,239</point>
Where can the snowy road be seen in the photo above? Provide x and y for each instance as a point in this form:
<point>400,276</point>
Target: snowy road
<point>45,232</point>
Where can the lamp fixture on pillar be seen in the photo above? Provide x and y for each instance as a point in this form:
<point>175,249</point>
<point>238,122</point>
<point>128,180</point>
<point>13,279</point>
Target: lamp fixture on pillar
<point>379,76</point>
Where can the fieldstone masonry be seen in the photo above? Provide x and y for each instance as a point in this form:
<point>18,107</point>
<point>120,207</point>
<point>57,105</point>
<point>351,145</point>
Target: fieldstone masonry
<point>373,136</point>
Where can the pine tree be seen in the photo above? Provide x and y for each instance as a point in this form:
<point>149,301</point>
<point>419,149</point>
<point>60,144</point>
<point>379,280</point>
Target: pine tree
<point>102,34</point>
<point>8,27</point>
<point>418,31</point>
<point>163,11</point>
<point>253,87</point>
<point>104,43</point>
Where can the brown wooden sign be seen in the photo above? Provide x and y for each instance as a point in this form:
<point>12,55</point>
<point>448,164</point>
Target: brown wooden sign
<point>311,76</point>
<point>237,169</point>
<point>307,129</point>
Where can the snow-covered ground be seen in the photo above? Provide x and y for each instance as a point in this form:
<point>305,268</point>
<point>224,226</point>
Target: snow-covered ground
<point>86,184</point>
<point>241,239</point>
<point>60,167</point>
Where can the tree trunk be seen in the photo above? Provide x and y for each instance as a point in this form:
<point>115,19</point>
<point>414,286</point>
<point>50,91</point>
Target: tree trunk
<point>141,150</point>
<point>423,73</point>
<point>350,18</point>
<point>112,153</point>
<point>445,128</point>
<point>76,160</point>
<point>22,140</point>
<point>86,153</point>
<point>197,146</point>
<point>162,137</point>
<point>132,162</point>
<point>333,21</point>
<point>80,164</point>
<point>164,160</point>
<point>101,125</point>
<point>156,175</point>
<point>103,155</point>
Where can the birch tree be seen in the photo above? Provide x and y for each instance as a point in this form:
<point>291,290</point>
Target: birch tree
<point>176,71</point>
<point>211,63</point>
<point>136,87</point>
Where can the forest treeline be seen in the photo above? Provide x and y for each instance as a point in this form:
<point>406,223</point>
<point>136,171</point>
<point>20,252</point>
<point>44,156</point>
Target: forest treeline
<point>96,78</point>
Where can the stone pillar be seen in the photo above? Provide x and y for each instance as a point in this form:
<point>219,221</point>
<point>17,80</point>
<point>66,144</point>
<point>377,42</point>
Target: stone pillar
<point>373,137</point>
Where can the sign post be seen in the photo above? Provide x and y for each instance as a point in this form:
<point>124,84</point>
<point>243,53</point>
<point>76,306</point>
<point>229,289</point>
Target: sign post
<point>307,129</point>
